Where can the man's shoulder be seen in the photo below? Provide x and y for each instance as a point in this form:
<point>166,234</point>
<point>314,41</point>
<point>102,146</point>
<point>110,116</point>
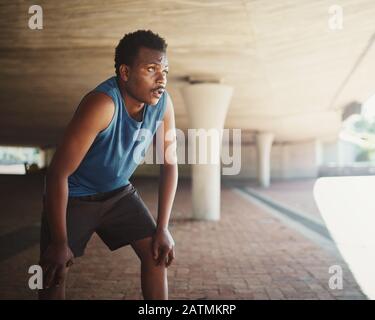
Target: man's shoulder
<point>97,101</point>
<point>96,106</point>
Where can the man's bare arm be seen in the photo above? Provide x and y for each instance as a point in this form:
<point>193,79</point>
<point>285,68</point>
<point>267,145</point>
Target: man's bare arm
<point>163,242</point>
<point>93,115</point>
<point>169,169</point>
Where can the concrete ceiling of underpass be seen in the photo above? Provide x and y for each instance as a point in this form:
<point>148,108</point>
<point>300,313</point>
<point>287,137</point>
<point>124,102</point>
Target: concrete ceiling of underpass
<point>292,74</point>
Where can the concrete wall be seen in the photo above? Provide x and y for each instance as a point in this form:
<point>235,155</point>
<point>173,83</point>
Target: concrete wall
<point>288,161</point>
<point>339,153</point>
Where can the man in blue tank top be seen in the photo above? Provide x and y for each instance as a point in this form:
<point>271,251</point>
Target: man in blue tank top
<point>87,184</point>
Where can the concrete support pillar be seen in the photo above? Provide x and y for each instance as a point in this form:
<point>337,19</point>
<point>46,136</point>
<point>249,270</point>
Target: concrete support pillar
<point>207,105</point>
<point>264,142</point>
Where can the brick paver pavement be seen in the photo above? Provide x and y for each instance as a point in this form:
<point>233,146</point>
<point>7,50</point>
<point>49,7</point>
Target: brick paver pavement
<point>248,254</point>
<point>297,194</point>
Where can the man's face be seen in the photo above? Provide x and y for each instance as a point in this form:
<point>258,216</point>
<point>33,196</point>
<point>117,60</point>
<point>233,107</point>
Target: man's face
<point>147,77</point>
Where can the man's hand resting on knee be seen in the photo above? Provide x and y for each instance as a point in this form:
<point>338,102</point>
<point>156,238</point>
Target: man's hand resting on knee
<point>163,247</point>
<point>54,261</point>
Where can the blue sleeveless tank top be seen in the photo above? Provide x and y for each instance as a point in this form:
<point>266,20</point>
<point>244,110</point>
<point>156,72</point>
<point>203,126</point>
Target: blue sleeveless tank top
<point>118,149</point>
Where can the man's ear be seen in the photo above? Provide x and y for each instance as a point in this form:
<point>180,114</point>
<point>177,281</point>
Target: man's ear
<point>124,72</point>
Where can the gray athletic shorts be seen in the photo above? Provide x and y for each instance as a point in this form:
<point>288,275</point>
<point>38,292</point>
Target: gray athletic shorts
<point>119,217</point>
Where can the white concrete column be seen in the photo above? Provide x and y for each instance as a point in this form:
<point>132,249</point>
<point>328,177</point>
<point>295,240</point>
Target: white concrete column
<point>207,105</point>
<point>264,142</point>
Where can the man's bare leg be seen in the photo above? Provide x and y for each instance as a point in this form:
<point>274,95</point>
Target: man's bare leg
<point>153,277</point>
<point>54,293</point>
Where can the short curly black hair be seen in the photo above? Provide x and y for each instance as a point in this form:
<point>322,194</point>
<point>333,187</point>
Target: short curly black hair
<point>128,47</point>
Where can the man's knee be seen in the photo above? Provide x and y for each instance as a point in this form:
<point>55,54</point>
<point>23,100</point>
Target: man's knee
<point>59,278</point>
<point>57,290</point>
<point>143,249</point>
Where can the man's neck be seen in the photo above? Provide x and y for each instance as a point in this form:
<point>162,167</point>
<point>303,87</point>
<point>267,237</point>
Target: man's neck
<point>132,105</point>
